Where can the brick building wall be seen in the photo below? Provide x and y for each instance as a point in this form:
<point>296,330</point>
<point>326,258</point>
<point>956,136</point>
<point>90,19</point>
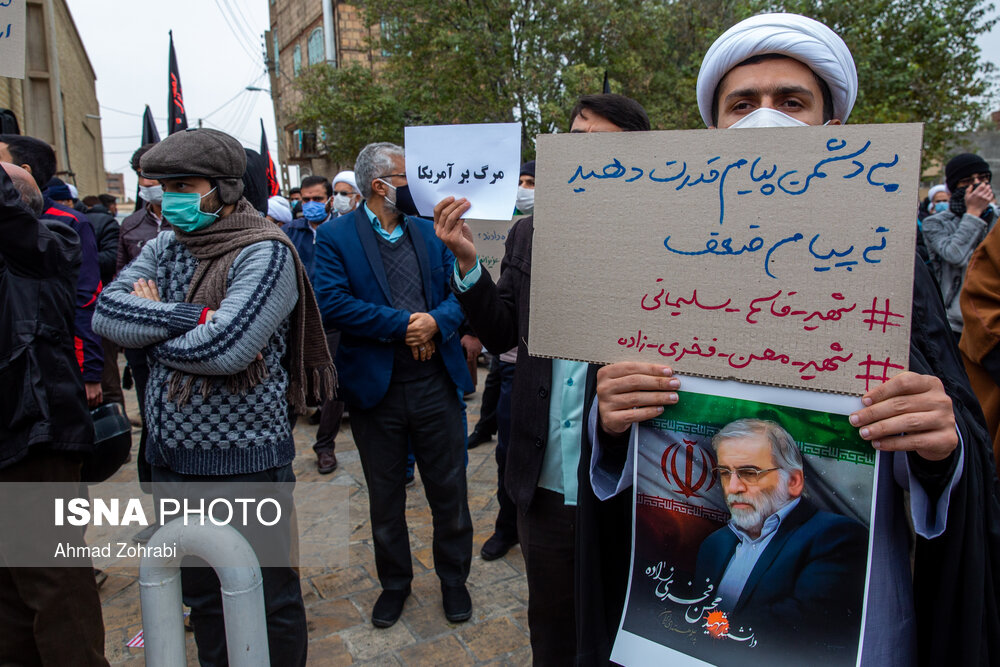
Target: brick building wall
<point>293,22</point>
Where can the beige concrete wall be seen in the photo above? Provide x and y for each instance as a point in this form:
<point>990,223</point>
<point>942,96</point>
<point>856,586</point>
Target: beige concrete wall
<point>32,96</point>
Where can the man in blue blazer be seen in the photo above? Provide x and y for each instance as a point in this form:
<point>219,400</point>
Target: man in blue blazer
<point>788,572</point>
<point>381,278</point>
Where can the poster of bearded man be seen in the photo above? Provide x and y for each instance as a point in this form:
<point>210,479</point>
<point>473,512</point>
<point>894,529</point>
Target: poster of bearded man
<point>752,529</point>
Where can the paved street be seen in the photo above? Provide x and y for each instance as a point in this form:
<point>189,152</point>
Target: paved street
<point>339,601</point>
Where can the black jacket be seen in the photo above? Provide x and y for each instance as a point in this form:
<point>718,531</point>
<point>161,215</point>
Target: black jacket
<point>43,404</point>
<point>106,230</point>
<point>498,313</point>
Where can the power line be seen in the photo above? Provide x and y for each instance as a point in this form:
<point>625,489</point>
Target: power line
<point>240,38</point>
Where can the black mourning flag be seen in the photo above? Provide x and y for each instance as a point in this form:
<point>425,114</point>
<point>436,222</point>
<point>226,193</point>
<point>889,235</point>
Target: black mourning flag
<point>176,118</point>
<point>150,135</point>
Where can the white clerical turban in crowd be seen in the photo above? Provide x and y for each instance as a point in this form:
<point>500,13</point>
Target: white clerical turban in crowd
<point>940,187</point>
<point>347,177</point>
<point>279,210</point>
<point>798,37</point>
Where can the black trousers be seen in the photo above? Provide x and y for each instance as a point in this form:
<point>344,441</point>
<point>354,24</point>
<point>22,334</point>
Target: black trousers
<point>287,637</point>
<point>140,375</point>
<point>48,615</point>
<point>425,413</point>
<point>506,524</point>
<point>548,541</point>
<point>487,424</point>
<point>332,411</point>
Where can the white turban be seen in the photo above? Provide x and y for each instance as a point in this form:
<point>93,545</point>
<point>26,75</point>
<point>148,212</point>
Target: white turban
<point>279,210</point>
<point>940,187</point>
<point>347,177</point>
<point>798,37</point>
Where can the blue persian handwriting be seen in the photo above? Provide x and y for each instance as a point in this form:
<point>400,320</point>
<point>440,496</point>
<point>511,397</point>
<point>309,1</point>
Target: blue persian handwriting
<point>807,369</point>
<point>700,609</point>
<point>825,255</point>
<point>449,172</point>
<point>751,174</point>
<point>812,316</point>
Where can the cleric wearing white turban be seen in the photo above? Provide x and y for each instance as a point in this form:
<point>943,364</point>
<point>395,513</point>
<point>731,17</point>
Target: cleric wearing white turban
<point>804,39</point>
<point>347,177</point>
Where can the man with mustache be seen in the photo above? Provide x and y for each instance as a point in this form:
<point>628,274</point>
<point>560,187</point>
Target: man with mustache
<point>781,566</point>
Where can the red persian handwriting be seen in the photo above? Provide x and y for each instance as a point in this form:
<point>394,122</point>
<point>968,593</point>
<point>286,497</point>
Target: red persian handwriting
<point>872,367</point>
<point>807,369</point>
<point>880,318</point>
<point>764,304</point>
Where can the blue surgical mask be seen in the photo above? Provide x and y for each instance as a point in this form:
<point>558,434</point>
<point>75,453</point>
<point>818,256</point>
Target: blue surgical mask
<point>183,210</point>
<point>940,207</point>
<point>314,211</point>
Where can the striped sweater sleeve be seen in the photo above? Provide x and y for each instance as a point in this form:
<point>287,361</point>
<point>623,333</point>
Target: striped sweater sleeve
<point>262,292</point>
<point>134,322</point>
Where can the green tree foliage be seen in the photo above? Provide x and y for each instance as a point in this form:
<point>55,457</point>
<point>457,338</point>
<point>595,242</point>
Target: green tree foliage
<point>475,61</point>
<point>351,106</point>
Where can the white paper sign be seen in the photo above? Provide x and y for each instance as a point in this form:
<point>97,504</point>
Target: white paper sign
<point>478,162</point>
<point>12,26</point>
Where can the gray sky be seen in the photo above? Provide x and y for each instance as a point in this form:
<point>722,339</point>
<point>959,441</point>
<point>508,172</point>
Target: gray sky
<point>218,47</point>
<point>128,42</point>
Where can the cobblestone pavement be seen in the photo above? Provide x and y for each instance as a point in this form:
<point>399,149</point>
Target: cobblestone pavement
<point>339,600</point>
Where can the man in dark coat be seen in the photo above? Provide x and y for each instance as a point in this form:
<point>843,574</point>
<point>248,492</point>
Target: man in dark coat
<point>925,423</point>
<point>547,403</point>
<point>38,158</point>
<point>51,615</point>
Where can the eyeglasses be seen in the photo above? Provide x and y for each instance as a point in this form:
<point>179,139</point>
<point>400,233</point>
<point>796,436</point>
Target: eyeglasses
<point>319,199</point>
<point>747,474</point>
<point>391,175</point>
<point>345,194</point>
<point>975,178</point>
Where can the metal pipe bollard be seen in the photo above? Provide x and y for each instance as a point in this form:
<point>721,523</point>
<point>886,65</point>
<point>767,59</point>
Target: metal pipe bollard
<point>242,594</point>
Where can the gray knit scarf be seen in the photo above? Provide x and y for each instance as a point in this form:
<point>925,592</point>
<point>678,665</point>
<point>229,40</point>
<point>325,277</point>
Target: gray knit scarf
<point>311,375</point>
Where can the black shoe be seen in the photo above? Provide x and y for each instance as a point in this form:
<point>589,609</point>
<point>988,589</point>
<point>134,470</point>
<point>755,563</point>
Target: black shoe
<point>478,438</point>
<point>457,603</point>
<point>326,462</point>
<point>100,576</point>
<point>495,547</point>
<point>389,607</point>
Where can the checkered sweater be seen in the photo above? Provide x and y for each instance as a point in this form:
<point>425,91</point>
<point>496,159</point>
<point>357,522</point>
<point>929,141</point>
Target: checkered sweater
<point>222,433</point>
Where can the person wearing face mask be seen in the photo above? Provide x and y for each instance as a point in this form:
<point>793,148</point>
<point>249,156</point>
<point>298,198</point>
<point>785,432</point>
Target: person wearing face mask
<point>138,229</point>
<point>346,196</point>
<point>925,424</point>
<point>525,202</point>
<point>224,308</point>
<point>952,234</point>
<point>381,278</point>
<point>937,199</point>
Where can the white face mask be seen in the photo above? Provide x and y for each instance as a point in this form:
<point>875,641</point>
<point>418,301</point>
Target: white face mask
<point>525,201</point>
<point>767,117</point>
<point>342,203</point>
<point>151,193</point>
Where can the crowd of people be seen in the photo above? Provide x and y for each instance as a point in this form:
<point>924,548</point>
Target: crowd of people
<point>238,313</point>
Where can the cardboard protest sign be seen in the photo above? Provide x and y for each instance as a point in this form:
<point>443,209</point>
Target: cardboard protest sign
<point>490,237</point>
<point>12,40</point>
<point>478,162</point>
<point>779,256</point>
<point>792,589</point>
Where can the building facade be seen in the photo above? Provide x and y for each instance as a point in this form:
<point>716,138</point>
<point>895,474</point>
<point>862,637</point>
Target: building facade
<point>57,99</point>
<point>303,33</point>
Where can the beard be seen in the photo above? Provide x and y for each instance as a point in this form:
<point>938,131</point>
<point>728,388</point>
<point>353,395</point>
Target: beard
<point>764,505</point>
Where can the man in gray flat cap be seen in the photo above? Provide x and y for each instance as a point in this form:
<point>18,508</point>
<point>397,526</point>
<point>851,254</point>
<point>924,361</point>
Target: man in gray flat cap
<point>226,314</point>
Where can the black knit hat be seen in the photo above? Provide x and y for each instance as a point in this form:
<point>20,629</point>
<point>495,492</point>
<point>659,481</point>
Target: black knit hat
<point>962,166</point>
<point>199,152</point>
<point>528,168</point>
